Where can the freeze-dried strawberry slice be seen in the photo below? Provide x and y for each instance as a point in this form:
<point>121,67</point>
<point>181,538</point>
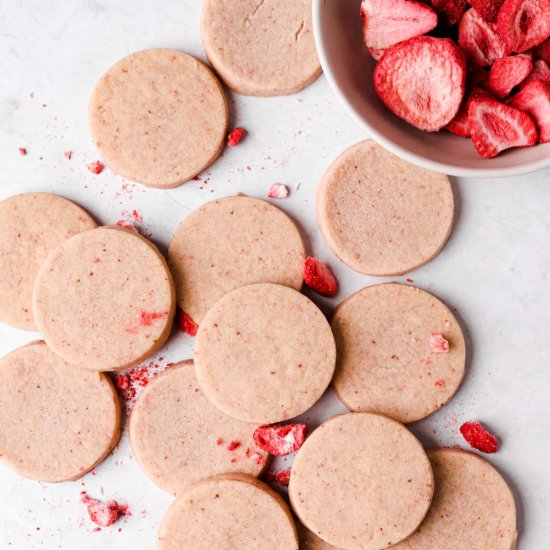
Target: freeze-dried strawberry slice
<point>387,22</point>
<point>540,71</point>
<point>543,51</point>
<point>460,125</point>
<point>523,24</point>
<point>495,127</point>
<point>478,437</point>
<point>534,99</point>
<point>422,80</point>
<point>479,39</point>
<point>101,513</point>
<point>280,440</point>
<point>187,325</point>
<point>508,72</point>
<point>488,9</point>
<point>450,11</point>
<point>319,277</point>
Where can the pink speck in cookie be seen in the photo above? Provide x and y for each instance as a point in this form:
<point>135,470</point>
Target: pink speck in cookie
<point>319,277</point>
<point>102,513</point>
<point>219,441</point>
<point>95,167</point>
<point>438,344</point>
<point>235,137</point>
<point>22,151</point>
<point>280,440</point>
<point>233,445</point>
<point>187,325</point>
<point>439,384</point>
<point>278,191</point>
<point>147,318</point>
<point>478,437</point>
<point>68,155</point>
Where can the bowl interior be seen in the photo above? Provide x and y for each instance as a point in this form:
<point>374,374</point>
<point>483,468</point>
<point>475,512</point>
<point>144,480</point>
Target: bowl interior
<point>349,67</point>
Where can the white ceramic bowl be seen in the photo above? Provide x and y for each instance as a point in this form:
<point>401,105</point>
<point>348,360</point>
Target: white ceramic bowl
<point>348,68</point>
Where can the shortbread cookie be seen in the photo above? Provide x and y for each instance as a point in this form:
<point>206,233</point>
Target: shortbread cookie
<point>264,353</point>
<point>56,422</point>
<point>361,482</point>
<point>472,508</point>
<point>229,243</point>
<point>261,47</point>
<point>158,117</point>
<point>381,215</point>
<point>31,225</point>
<point>105,299</point>
<point>229,512</point>
<point>197,443</point>
<point>387,362</point>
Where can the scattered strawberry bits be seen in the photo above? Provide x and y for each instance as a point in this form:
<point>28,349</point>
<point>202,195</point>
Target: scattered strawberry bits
<point>22,151</point>
<point>187,325</point>
<point>68,155</point>
<point>479,438</point>
<point>438,344</point>
<point>95,167</point>
<point>280,440</point>
<point>319,277</point>
<point>278,191</point>
<point>235,137</point>
<point>103,514</point>
<point>233,445</point>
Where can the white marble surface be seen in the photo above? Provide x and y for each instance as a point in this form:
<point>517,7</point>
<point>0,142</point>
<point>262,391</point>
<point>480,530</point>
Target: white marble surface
<point>494,270</point>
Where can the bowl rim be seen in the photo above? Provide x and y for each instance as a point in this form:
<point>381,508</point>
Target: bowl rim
<point>405,154</point>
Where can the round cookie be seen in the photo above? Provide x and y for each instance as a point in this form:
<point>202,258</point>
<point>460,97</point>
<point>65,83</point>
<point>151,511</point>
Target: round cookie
<point>56,422</point>
<point>229,512</point>
<point>381,215</point>
<point>158,117</point>
<point>199,441</point>
<point>361,482</point>
<point>259,47</point>
<point>105,299</point>
<point>229,243</point>
<point>472,508</point>
<point>264,353</point>
<point>31,225</point>
<point>384,363</point>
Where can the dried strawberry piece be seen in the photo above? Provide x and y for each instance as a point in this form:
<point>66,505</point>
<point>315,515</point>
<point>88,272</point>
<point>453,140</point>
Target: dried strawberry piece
<point>422,80</point>
<point>488,9</point>
<point>438,344</point>
<point>233,445</point>
<point>450,11</point>
<point>478,437</point>
<point>479,39</point>
<point>542,51</point>
<point>235,137</point>
<point>495,127</point>
<point>280,440</point>
<point>95,167</point>
<point>523,24</point>
<point>22,151</point>
<point>540,71</point>
<point>278,191</point>
<point>68,155</point>
<point>534,99</point>
<point>283,478</point>
<point>101,513</point>
<point>122,382</point>
<point>387,22</point>
<point>508,72</point>
<point>187,324</point>
<point>460,125</point>
<point>319,277</point>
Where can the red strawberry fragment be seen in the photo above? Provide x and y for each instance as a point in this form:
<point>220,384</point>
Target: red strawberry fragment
<point>319,277</point>
<point>68,155</point>
<point>534,99</point>
<point>101,513</point>
<point>495,127</point>
<point>508,72</point>
<point>283,478</point>
<point>523,24</point>
<point>187,325</point>
<point>450,11</point>
<point>235,137</point>
<point>95,167</point>
<point>488,9</point>
<point>438,344</point>
<point>280,440</point>
<point>478,437</point>
<point>479,39</point>
<point>387,22</point>
<point>542,51</point>
<point>278,191</point>
<point>540,71</point>
<point>460,124</point>
<point>22,151</point>
<point>422,81</point>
